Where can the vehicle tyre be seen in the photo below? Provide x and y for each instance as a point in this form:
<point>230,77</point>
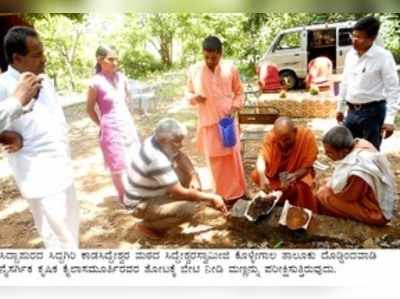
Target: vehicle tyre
<point>289,79</point>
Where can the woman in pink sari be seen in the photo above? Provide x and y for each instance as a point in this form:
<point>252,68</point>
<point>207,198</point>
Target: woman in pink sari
<point>108,90</point>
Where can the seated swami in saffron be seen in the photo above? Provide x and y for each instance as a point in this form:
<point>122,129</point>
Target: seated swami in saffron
<point>362,186</point>
<point>285,162</point>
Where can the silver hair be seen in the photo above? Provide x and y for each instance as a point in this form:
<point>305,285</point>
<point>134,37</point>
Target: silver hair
<point>169,128</point>
<point>338,137</point>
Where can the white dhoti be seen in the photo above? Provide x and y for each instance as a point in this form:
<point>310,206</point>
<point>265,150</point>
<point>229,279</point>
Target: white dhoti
<point>57,219</point>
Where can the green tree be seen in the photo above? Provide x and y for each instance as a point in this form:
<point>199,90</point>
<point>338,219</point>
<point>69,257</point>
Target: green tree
<point>162,27</point>
<point>391,33</point>
<point>132,43</point>
<point>64,43</point>
<point>152,43</point>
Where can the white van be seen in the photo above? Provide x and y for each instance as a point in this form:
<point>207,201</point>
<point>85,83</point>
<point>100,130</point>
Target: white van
<point>294,48</point>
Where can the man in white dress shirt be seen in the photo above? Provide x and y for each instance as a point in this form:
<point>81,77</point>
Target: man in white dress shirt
<point>40,159</point>
<point>12,107</point>
<point>370,86</point>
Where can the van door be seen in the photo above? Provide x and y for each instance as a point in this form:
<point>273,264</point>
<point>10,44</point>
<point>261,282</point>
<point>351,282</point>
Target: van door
<point>343,46</point>
<point>289,53</point>
<point>322,42</point>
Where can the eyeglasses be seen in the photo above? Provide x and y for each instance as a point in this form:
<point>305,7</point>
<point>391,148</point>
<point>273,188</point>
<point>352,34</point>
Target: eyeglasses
<point>352,36</point>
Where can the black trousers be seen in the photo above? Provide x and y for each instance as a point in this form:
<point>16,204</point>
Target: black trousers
<point>365,121</point>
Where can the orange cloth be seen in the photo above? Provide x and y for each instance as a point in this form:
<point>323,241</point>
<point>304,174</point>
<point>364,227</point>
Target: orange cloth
<point>356,201</point>
<point>228,175</point>
<point>222,90</point>
<point>302,155</point>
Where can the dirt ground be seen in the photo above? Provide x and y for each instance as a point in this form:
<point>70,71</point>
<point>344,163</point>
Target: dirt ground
<point>106,224</point>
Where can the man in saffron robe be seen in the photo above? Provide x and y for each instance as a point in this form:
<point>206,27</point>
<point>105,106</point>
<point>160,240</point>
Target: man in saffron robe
<point>285,163</point>
<point>362,186</point>
<point>214,87</point>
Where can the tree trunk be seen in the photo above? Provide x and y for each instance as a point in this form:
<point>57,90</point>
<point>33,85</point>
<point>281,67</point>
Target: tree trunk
<point>70,59</point>
<point>166,49</point>
<point>71,76</point>
<point>70,71</point>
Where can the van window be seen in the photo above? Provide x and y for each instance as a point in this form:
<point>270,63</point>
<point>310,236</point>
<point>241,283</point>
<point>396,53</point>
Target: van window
<point>345,37</point>
<point>290,40</point>
<point>322,38</point>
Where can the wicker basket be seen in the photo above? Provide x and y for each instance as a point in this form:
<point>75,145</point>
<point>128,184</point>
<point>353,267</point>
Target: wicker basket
<point>304,106</point>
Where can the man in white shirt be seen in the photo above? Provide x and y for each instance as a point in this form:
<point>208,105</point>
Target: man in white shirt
<point>12,107</point>
<point>370,86</point>
<point>41,163</point>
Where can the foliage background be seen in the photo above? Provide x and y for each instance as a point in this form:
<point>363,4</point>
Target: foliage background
<point>152,43</point>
